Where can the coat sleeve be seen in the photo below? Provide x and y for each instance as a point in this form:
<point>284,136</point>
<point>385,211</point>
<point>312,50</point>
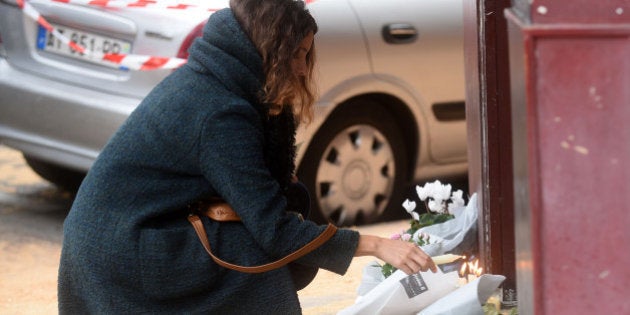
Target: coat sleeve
<point>231,156</point>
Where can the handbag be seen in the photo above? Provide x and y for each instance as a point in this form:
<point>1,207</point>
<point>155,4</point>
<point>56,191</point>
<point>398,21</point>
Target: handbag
<point>220,211</point>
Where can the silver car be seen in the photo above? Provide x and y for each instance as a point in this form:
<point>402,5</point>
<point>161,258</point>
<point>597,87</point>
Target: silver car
<point>390,77</point>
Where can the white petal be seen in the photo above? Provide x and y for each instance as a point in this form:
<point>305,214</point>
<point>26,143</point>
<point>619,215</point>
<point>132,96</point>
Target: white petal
<point>445,192</point>
<point>457,194</point>
<point>457,199</point>
<point>422,192</point>
<point>415,216</point>
<point>409,205</point>
<point>432,188</point>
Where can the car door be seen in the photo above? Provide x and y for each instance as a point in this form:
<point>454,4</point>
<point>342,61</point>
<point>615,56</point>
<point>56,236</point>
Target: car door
<point>420,43</point>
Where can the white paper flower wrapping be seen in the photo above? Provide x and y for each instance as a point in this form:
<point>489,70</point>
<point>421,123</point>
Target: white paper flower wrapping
<point>448,235</point>
<point>401,294</point>
<point>467,300</point>
<point>379,295</point>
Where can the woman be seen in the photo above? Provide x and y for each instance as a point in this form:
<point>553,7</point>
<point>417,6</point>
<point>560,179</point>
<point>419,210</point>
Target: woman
<point>220,126</point>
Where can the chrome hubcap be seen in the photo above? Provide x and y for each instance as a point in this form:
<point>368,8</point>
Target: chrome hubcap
<point>355,178</point>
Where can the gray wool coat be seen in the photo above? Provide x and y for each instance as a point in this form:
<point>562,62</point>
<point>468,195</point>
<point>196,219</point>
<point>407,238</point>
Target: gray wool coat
<point>128,247</point>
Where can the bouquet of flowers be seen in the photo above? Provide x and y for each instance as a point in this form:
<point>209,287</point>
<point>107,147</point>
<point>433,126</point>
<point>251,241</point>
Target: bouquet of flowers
<point>440,203</point>
<point>445,231</point>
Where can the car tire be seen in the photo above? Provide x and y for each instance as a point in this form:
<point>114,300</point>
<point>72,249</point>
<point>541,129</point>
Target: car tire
<point>355,166</point>
<point>65,178</point>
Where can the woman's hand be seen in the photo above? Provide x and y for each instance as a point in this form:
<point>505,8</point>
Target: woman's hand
<point>405,256</point>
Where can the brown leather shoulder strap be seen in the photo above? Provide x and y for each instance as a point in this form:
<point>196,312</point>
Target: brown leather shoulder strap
<point>220,211</point>
<point>312,245</point>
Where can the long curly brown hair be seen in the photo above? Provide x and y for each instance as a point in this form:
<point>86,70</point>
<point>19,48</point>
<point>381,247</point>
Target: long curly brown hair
<point>276,27</point>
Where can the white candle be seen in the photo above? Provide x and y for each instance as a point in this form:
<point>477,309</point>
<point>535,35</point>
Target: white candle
<point>445,259</point>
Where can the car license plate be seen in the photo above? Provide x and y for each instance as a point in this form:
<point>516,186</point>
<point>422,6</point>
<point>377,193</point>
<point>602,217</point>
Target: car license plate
<point>47,42</point>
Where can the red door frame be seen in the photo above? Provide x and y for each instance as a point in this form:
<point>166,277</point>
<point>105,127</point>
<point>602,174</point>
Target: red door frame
<point>489,136</point>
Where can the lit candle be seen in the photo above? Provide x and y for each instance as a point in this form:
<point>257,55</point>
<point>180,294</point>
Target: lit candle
<point>473,270</point>
<point>478,272</point>
<point>462,275</point>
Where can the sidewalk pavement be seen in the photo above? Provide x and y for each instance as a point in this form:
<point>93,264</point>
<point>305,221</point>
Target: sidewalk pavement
<point>329,292</point>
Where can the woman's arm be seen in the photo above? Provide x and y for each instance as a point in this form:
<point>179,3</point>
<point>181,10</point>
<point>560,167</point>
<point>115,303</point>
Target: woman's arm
<point>231,156</point>
<point>405,256</point>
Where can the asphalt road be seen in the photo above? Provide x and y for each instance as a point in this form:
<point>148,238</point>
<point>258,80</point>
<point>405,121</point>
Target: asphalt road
<point>31,218</point>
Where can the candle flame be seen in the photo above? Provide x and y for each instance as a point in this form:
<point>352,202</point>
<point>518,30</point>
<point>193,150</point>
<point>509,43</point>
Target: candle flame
<point>462,270</point>
<point>473,268</point>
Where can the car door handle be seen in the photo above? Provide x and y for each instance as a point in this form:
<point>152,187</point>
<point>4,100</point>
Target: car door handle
<point>399,33</point>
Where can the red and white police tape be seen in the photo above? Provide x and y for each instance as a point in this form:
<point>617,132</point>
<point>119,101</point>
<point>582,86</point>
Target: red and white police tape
<point>123,61</point>
<point>208,5</point>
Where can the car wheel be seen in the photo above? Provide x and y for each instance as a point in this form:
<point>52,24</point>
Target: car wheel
<point>355,166</point>
<point>60,176</point>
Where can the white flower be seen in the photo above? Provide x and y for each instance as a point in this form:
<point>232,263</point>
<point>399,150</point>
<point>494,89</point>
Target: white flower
<point>436,206</point>
<point>442,192</point>
<point>409,205</point>
<point>434,190</point>
<point>423,192</point>
<point>457,201</point>
<point>457,198</point>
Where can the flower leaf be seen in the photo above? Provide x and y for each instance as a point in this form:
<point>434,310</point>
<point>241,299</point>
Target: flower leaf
<point>387,270</point>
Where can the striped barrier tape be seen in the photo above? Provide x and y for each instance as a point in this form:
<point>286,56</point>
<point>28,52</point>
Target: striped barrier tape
<point>146,4</point>
<point>124,61</point>
<point>140,4</point>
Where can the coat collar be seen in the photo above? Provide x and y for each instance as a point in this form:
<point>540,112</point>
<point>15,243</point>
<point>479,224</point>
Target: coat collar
<point>226,52</point>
